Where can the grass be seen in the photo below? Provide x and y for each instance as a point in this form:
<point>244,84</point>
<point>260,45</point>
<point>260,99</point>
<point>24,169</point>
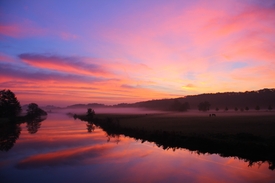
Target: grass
<point>258,125</point>
<point>248,137</point>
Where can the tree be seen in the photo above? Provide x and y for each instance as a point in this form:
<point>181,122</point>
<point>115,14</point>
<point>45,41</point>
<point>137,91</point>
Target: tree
<point>33,124</point>
<point>246,108</point>
<point>236,109</point>
<point>178,106</point>
<point>217,109</point>
<point>9,105</point>
<point>204,106</point>
<point>269,108</point>
<point>9,133</point>
<point>257,107</point>
<point>33,110</point>
<point>226,108</point>
<point>90,113</point>
<point>185,106</point>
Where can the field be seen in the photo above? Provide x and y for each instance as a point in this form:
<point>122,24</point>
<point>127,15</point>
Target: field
<point>259,124</point>
<point>249,136</point>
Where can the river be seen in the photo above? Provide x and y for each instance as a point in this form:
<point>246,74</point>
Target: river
<point>61,149</point>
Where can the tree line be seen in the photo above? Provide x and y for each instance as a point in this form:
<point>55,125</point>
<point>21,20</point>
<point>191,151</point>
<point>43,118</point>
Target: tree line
<point>10,107</point>
<point>259,100</point>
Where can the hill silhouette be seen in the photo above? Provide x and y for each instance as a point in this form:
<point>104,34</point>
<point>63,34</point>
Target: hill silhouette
<point>263,99</point>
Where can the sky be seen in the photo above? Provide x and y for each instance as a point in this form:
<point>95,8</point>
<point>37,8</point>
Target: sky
<point>93,51</point>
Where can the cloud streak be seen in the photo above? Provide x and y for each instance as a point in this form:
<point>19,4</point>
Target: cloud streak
<point>73,156</point>
<point>65,64</point>
<point>142,50</point>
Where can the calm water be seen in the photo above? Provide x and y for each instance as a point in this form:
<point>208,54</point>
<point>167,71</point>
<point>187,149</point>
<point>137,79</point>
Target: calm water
<point>62,150</point>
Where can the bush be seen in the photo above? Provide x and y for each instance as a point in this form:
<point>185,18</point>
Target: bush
<point>33,110</point>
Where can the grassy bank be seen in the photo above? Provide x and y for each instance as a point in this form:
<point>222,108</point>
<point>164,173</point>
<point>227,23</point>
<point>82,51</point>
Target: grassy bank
<point>249,137</point>
<point>259,125</point>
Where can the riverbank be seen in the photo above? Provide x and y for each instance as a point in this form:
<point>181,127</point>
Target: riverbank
<point>248,137</point>
<point>261,124</point>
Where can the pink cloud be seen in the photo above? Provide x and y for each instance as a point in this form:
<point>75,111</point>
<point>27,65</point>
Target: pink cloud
<point>70,65</point>
<point>150,54</point>
<point>227,36</point>
<point>56,87</point>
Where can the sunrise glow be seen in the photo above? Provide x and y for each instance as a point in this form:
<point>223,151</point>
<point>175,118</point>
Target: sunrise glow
<point>62,53</point>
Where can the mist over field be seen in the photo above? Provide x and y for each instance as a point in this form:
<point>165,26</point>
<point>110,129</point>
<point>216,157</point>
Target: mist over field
<point>110,110</point>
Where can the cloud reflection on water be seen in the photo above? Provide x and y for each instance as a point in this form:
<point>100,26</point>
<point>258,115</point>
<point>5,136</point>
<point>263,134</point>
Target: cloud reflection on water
<point>72,156</point>
<point>65,150</point>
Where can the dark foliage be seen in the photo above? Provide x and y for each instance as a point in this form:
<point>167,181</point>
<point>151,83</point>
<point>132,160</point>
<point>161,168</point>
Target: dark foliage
<point>9,133</point>
<point>10,130</point>
<point>251,148</point>
<point>204,106</point>
<point>9,105</point>
<point>178,106</point>
<point>90,113</point>
<point>33,110</point>
<point>33,124</point>
<point>262,97</point>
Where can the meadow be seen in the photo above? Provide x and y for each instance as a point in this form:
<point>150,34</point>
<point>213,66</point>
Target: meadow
<point>257,123</point>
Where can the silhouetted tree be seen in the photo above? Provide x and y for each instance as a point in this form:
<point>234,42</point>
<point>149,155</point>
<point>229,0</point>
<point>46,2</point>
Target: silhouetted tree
<point>270,107</point>
<point>217,109</point>
<point>9,105</point>
<point>34,124</point>
<point>9,133</point>
<point>90,127</point>
<point>33,110</point>
<point>257,107</point>
<point>204,106</point>
<point>226,108</point>
<point>178,106</point>
<point>185,106</point>
<point>236,109</point>
<point>246,108</point>
<point>90,113</point>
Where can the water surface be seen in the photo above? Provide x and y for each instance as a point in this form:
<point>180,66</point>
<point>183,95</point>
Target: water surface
<point>62,149</point>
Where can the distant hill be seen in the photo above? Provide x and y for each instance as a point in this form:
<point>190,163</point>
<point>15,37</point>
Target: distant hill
<point>262,98</point>
<point>91,105</point>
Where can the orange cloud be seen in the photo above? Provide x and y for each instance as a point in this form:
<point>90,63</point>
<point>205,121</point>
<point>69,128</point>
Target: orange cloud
<point>64,157</point>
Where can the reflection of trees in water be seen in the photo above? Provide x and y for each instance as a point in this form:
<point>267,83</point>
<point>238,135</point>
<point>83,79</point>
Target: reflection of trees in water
<point>9,133</point>
<point>90,127</point>
<point>34,124</point>
<point>252,149</point>
<point>113,136</point>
